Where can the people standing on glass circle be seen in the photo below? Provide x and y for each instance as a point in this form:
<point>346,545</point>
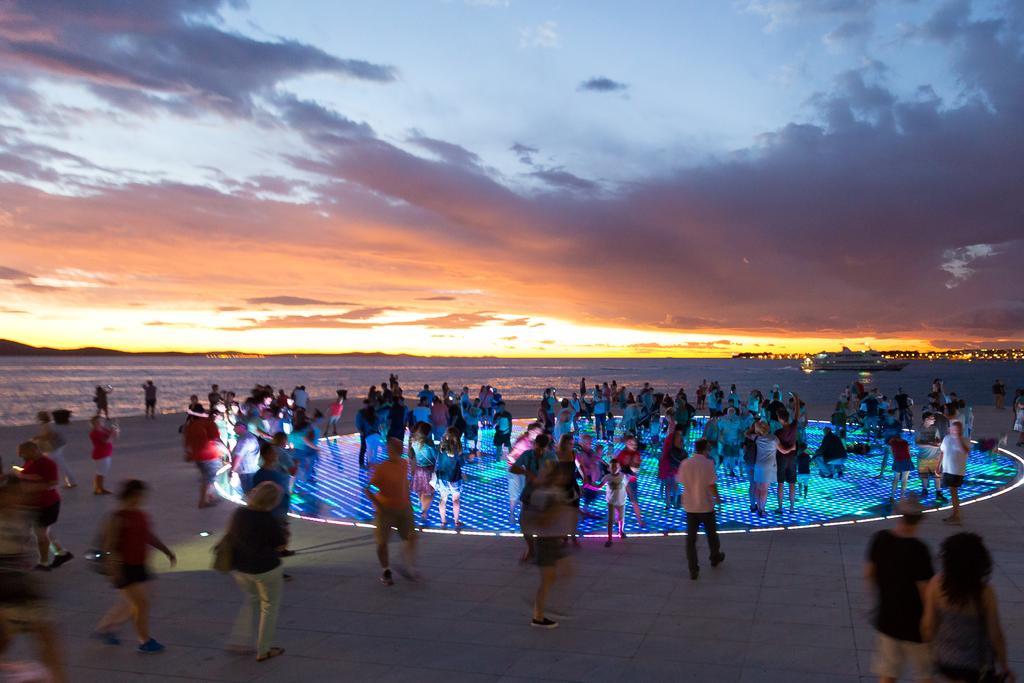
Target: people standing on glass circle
<point>150,398</point>
<point>953,466</point>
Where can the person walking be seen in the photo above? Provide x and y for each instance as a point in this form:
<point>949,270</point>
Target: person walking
<point>898,568</point>
<point>39,475</point>
<point>700,495</point>
<point>255,538</point>
<point>961,614</point>
<point>389,493</point>
<point>126,541</point>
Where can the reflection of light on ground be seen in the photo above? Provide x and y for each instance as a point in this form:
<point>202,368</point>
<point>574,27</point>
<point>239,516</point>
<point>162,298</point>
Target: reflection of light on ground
<point>335,495</point>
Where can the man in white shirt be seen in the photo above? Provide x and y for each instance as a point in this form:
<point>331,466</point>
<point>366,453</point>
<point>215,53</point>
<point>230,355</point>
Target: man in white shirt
<point>700,494</point>
<point>245,460</point>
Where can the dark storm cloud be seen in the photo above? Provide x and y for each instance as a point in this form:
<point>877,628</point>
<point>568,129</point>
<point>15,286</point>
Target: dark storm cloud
<point>171,54</point>
<point>602,84</point>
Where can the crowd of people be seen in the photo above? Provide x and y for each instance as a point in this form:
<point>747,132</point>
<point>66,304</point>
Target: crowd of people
<point>578,449</point>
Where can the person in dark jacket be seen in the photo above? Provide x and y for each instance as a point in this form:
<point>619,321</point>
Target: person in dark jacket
<point>831,455</point>
<point>256,536</point>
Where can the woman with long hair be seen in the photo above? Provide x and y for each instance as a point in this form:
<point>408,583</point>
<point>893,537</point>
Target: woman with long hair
<point>961,614</point>
<point>424,454</point>
<point>448,472</point>
<point>765,466</point>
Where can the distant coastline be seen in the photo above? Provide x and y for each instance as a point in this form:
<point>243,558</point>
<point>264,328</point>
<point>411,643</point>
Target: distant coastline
<point>949,354</point>
<point>13,348</point>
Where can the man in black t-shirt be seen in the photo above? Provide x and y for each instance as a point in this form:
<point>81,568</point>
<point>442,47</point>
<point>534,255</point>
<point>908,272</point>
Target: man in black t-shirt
<point>899,567</point>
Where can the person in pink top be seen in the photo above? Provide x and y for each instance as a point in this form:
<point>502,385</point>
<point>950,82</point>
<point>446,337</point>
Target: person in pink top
<point>102,436</point>
<point>516,482</point>
<point>334,413</point>
<point>700,494</point>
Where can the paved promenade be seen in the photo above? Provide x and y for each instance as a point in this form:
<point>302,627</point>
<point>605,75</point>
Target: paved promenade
<point>785,606</point>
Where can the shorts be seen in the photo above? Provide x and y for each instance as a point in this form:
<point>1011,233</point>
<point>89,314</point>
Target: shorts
<point>472,432</point>
<point>952,481</point>
<point>503,439</point>
<point>130,574</point>
<point>785,469</point>
<point>926,466</point>
<point>449,488</point>
<point>102,465</point>
<point>516,484</point>
<point>400,519</point>
<point>47,516</point>
<point>207,470</point>
<point>548,550</point>
<point>151,403</point>
<point>730,451</point>
<point>893,655</point>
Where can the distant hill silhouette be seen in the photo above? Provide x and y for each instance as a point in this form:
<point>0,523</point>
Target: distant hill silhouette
<point>13,348</point>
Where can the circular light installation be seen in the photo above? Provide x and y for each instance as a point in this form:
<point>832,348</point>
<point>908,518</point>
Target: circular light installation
<point>335,492</point>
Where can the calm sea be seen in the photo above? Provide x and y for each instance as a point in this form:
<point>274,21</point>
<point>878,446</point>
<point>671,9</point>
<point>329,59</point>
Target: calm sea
<point>31,384</point>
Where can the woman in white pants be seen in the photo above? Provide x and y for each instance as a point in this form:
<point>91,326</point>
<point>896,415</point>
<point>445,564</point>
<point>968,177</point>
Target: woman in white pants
<point>256,538</point>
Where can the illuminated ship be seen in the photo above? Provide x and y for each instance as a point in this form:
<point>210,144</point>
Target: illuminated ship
<point>858,361</point>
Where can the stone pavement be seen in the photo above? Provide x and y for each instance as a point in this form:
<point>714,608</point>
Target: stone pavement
<point>785,606</point>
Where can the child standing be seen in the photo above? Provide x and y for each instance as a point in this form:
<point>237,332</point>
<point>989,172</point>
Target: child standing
<point>615,495</point>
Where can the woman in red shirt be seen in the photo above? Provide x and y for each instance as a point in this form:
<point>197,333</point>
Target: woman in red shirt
<point>102,436</point>
<point>127,539</point>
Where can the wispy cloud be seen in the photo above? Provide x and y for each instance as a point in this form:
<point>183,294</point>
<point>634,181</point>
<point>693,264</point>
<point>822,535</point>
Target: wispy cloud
<point>543,35</point>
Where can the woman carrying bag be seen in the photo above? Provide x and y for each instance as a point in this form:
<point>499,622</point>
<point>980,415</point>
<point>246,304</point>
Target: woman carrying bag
<point>250,548</point>
<point>961,617</point>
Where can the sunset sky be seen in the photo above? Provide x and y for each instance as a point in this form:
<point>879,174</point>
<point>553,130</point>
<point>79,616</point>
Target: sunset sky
<point>512,178</point>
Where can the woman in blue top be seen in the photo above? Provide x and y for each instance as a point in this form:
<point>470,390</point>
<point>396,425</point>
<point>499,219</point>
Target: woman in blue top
<point>425,455</point>
<point>448,472</point>
<point>303,440</point>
